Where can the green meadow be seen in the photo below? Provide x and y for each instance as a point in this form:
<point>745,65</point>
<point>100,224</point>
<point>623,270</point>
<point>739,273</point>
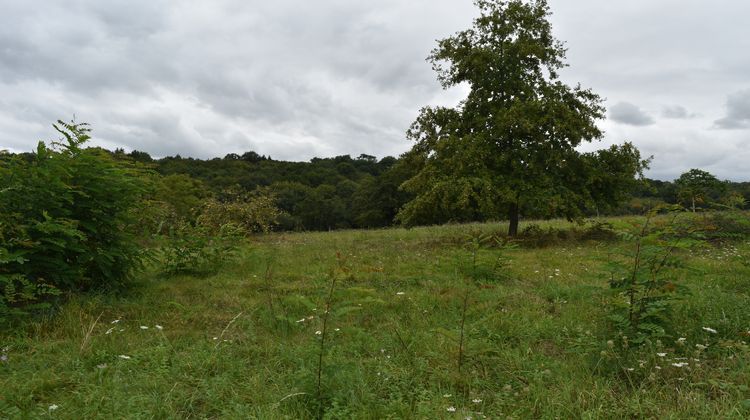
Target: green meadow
<point>395,323</point>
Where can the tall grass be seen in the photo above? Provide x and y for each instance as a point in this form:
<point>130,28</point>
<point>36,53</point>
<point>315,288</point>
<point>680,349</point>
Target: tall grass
<point>530,342</point>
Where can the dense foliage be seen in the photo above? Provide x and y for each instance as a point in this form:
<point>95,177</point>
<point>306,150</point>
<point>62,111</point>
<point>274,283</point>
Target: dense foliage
<point>510,146</point>
<point>65,218</point>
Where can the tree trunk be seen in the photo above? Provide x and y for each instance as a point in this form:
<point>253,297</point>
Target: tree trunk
<point>513,218</point>
<point>693,204</point>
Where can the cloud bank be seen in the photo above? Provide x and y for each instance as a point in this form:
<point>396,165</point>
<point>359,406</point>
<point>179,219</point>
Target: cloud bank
<point>295,79</point>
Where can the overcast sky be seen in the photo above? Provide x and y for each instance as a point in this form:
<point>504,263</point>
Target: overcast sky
<point>298,79</point>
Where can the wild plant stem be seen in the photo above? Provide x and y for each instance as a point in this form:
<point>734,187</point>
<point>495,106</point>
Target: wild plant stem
<point>226,328</point>
<point>87,333</point>
<point>463,324</point>
<point>323,343</point>
<point>656,269</point>
<point>636,266</point>
<point>267,277</point>
<point>401,340</point>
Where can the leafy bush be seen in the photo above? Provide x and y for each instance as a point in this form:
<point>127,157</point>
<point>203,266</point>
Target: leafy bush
<point>203,245</point>
<point>197,249</point>
<point>646,284</point>
<point>252,212</point>
<point>724,225</point>
<point>534,236</point>
<point>17,294</point>
<point>64,218</point>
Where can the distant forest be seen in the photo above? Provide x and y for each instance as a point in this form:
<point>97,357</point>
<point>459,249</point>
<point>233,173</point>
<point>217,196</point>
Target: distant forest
<point>364,192</point>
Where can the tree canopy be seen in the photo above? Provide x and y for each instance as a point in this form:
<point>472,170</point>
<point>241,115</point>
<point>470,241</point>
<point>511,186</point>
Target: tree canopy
<point>696,186</point>
<point>510,146</point>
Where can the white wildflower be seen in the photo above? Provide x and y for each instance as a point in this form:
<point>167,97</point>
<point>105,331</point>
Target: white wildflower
<point>476,400</point>
<point>115,321</point>
<point>301,320</point>
<point>400,293</point>
<point>318,332</point>
<point>680,364</point>
<point>122,356</point>
<point>447,395</point>
<point>102,366</point>
<point>109,331</point>
<point>143,327</point>
<point>451,409</point>
<point>661,354</point>
<point>53,407</point>
<point>710,330</point>
<point>158,327</point>
<point>700,346</point>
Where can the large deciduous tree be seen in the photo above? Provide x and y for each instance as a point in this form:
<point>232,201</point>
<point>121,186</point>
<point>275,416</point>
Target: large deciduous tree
<point>511,144</point>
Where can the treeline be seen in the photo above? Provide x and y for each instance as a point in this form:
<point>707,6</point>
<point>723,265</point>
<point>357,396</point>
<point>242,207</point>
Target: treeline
<point>705,192</point>
<point>322,194</point>
<point>364,192</point>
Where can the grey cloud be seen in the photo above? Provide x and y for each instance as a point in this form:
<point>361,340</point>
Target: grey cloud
<point>677,112</point>
<point>627,113</point>
<point>738,111</point>
<point>297,79</point>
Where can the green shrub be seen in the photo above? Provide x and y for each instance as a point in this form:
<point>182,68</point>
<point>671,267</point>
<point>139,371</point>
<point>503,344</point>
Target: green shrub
<point>202,246</point>
<point>65,214</point>
<point>723,225</point>
<point>535,236</point>
<point>646,284</point>
<point>198,249</point>
<point>254,212</point>
<point>599,231</point>
<point>18,294</point>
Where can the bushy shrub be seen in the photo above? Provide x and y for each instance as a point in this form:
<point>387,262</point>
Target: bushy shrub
<point>65,213</point>
<point>18,294</point>
<point>598,231</point>
<point>201,244</point>
<point>645,282</point>
<point>254,212</point>
<point>198,249</point>
<point>534,236</point>
<point>723,225</point>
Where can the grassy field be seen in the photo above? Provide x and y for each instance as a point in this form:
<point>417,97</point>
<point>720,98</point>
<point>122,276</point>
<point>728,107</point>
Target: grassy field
<point>248,342</point>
